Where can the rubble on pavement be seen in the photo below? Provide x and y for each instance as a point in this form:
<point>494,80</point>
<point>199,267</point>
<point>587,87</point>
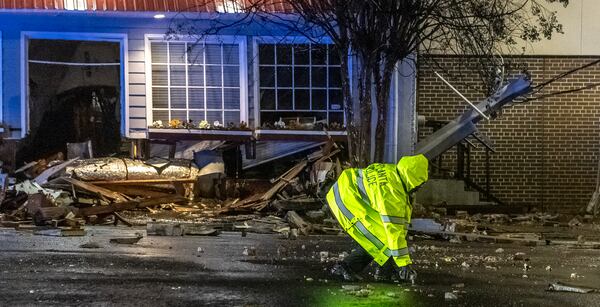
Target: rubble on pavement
<point>169,198</point>
<point>59,196</point>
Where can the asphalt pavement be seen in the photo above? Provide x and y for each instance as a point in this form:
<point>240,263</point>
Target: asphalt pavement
<point>265,270</point>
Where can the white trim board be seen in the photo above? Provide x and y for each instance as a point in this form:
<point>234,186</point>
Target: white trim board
<point>120,38</point>
<point>201,131</point>
<point>297,132</point>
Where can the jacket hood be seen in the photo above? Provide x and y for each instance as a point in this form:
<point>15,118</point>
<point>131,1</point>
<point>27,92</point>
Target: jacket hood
<point>413,171</point>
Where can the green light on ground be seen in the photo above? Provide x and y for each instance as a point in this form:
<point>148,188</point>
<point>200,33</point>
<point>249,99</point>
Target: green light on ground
<point>378,295</point>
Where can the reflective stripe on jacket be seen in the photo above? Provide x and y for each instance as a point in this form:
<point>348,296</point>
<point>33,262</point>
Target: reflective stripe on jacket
<point>373,206</point>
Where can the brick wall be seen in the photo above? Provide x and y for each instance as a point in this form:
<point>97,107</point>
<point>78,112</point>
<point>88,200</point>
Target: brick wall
<point>547,150</point>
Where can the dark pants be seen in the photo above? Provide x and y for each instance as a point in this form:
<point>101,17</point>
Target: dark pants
<point>359,259</point>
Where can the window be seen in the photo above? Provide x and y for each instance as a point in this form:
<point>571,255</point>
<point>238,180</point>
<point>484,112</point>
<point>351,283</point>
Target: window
<point>196,82</point>
<point>299,84</point>
<point>75,5</point>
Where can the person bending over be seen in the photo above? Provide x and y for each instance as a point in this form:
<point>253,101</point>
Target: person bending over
<point>373,205</point>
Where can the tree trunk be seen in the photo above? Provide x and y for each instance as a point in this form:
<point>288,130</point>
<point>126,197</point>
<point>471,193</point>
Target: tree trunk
<point>383,87</point>
<point>373,80</point>
<point>348,106</point>
<point>364,90</point>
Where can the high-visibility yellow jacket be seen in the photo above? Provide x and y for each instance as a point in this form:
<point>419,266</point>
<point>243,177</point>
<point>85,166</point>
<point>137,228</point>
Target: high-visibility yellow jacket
<point>373,205</point>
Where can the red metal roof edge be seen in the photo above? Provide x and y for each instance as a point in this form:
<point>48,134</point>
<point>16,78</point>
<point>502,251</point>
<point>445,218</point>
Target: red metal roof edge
<point>200,6</point>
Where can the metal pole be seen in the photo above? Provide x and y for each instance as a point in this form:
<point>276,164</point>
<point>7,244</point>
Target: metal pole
<point>487,174</point>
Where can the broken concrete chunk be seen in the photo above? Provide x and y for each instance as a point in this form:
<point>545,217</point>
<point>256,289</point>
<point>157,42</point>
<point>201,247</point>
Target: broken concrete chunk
<point>450,296</point>
<point>130,240</point>
<point>158,229</point>
<point>491,259</point>
<point>426,225</point>
<point>520,256</point>
<point>351,287</point>
<point>61,232</point>
<point>90,245</point>
<point>574,276</point>
<point>324,256</point>
<point>249,251</point>
<point>363,293</point>
<point>575,222</point>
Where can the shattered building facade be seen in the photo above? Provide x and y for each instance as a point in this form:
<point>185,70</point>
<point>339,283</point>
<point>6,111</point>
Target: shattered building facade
<point>258,83</point>
<point>246,83</point>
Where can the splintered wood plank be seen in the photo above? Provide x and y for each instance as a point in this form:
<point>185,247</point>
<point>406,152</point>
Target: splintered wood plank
<point>106,193</point>
<point>130,205</point>
<point>141,191</point>
<point>293,173</point>
<point>303,226</point>
<point>144,181</point>
<point>45,175</point>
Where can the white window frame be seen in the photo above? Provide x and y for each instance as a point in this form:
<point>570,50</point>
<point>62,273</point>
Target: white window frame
<point>120,38</point>
<point>256,68</point>
<point>212,39</point>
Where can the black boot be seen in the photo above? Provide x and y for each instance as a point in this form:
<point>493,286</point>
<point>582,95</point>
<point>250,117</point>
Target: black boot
<point>386,272</point>
<point>344,272</point>
<point>407,274</point>
<point>350,268</point>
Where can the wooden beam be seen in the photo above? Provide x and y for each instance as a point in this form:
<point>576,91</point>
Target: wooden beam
<point>297,221</point>
<point>293,173</point>
<point>45,175</point>
<point>145,181</point>
<point>130,205</point>
<point>106,193</point>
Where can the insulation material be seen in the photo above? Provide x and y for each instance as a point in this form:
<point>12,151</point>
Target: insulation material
<point>114,169</point>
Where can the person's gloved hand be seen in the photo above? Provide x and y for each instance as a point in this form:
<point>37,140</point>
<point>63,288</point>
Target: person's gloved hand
<point>407,274</point>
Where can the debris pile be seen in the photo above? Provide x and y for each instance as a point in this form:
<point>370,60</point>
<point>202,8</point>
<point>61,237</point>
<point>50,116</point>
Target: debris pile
<point>71,193</point>
<point>529,229</point>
